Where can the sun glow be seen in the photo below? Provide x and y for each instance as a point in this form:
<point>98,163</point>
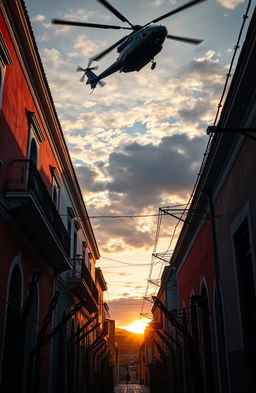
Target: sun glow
<point>137,326</point>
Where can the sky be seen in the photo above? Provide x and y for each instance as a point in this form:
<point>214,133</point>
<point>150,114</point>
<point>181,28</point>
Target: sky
<point>137,143</point>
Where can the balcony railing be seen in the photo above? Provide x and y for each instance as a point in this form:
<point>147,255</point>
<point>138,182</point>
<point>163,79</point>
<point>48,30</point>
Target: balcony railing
<point>27,193</point>
<point>82,283</point>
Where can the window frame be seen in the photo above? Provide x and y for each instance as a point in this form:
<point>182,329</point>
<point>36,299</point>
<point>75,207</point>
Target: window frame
<point>56,186</point>
<point>245,214</point>
<point>5,60</point>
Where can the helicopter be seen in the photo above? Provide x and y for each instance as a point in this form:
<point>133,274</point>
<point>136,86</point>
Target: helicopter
<point>135,49</point>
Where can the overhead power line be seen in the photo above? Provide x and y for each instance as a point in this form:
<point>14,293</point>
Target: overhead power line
<point>205,156</point>
<point>174,208</point>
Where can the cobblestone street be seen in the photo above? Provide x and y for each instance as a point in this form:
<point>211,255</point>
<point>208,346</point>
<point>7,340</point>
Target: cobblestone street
<point>131,388</point>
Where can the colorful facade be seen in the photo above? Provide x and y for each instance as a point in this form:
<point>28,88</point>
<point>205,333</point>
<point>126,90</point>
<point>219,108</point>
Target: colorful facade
<point>50,296</point>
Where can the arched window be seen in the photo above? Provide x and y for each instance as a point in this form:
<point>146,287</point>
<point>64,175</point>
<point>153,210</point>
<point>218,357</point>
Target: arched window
<point>12,365</point>
<point>31,328</point>
<point>221,340</point>
<point>33,154</point>
<point>208,376</point>
<point>197,363</point>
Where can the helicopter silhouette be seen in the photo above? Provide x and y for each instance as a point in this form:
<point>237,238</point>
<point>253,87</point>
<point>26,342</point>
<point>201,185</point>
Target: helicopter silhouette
<point>135,49</point>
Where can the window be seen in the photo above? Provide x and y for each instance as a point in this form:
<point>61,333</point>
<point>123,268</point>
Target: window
<point>5,59</point>
<point>31,329</point>
<point>70,216</point>
<point>84,251</point>
<point>35,138</point>
<point>33,151</point>
<point>75,244</point>
<point>12,364</point>
<point>221,340</point>
<point>55,186</point>
<point>69,225</point>
<point>208,376</point>
<point>246,287</point>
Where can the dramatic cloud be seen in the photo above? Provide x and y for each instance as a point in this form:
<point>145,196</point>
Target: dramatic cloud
<point>137,143</point>
<point>140,178</point>
<point>148,170</point>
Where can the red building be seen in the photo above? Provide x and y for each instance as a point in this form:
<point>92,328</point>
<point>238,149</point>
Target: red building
<point>27,204</point>
<point>50,311</point>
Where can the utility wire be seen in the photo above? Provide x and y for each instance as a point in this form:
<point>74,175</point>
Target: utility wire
<point>245,16</point>
<point>123,263</point>
<point>174,208</point>
<point>228,75</point>
<point>152,258</point>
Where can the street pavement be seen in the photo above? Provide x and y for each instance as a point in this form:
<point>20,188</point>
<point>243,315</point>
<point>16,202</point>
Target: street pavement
<point>131,388</point>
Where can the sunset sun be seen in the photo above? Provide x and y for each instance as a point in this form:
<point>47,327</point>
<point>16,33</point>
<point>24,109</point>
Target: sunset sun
<point>137,326</point>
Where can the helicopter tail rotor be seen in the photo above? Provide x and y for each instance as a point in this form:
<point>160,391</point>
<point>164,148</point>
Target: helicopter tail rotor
<point>92,77</point>
<point>84,70</point>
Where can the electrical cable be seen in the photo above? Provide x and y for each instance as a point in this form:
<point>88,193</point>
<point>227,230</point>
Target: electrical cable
<point>174,207</point>
<point>228,75</point>
<point>206,153</point>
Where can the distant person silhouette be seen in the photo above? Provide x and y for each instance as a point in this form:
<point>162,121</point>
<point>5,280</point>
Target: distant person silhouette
<point>128,378</point>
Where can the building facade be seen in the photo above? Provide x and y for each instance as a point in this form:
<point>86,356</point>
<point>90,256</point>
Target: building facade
<point>50,296</point>
<point>208,341</point>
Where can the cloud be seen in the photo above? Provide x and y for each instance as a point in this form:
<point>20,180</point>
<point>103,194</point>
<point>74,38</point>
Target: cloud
<point>38,18</point>
<point>134,155</point>
<point>52,56</point>
<point>88,179</point>
<point>125,309</point>
<point>150,170</point>
<point>84,45</point>
<point>139,178</point>
<point>230,4</point>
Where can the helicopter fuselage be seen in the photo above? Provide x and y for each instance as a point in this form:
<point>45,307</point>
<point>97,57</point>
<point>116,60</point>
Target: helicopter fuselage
<point>141,47</point>
<point>137,50</point>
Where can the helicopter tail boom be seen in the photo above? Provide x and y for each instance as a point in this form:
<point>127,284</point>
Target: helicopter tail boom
<point>92,78</point>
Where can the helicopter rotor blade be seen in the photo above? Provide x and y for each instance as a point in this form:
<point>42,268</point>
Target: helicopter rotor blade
<point>85,24</point>
<point>82,79</point>
<point>188,40</point>
<point>114,11</point>
<point>79,69</point>
<point>100,55</point>
<point>175,11</point>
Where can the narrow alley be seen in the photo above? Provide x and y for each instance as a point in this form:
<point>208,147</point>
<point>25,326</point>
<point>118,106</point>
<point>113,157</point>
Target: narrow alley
<point>127,217</point>
<point>132,388</point>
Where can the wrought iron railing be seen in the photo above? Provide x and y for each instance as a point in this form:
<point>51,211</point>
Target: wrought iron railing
<point>80,272</point>
<point>24,176</point>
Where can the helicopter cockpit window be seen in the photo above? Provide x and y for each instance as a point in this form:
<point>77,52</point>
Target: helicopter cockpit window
<point>143,33</point>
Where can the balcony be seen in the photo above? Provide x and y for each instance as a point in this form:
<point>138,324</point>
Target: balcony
<point>82,284</point>
<point>33,215</point>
